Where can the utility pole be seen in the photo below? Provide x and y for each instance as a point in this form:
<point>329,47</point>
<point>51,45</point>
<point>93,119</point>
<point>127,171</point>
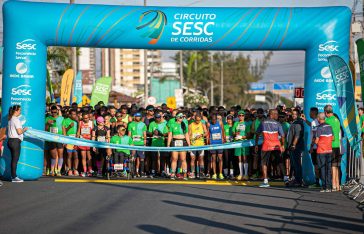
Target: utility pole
<point>212,80</point>
<point>181,68</point>
<point>74,52</point>
<point>145,72</point>
<point>222,80</point>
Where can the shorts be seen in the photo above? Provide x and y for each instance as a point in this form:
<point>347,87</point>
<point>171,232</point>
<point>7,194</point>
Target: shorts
<point>71,151</point>
<point>271,156</point>
<point>174,141</point>
<point>314,157</point>
<point>118,157</point>
<point>216,151</point>
<point>336,157</point>
<point>139,154</point>
<point>244,151</point>
<point>54,145</point>
<point>198,153</point>
<point>70,147</point>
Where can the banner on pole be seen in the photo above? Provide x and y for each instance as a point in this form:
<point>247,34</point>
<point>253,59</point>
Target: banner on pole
<point>360,49</point>
<point>66,87</point>
<point>344,88</point>
<point>101,91</point>
<point>77,89</point>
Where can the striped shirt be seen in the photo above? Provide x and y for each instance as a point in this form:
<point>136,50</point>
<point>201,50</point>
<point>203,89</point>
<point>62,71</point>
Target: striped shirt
<point>324,135</point>
<point>271,130</point>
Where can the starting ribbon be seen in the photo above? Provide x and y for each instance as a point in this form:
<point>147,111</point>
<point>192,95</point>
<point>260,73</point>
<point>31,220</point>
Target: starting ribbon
<point>47,136</point>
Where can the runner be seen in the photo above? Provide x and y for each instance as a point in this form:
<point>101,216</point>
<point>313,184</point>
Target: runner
<point>54,125</point>
<point>101,133</point>
<point>178,137</point>
<point>69,127</point>
<point>120,154</point>
<point>241,131</point>
<point>137,130</point>
<point>198,133</point>
<point>272,145</point>
<point>229,153</point>
<point>257,159</point>
<point>124,115</point>
<point>217,136</point>
<point>85,132</point>
<point>283,119</point>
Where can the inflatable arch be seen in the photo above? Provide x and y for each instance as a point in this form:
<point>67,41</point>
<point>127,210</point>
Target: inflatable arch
<point>30,27</point>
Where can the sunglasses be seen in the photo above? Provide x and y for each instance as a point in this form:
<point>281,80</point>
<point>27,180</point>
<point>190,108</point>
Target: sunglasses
<point>118,116</point>
<point>54,112</point>
<point>241,115</point>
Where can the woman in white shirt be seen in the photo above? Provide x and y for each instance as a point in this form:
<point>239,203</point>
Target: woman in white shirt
<point>15,133</point>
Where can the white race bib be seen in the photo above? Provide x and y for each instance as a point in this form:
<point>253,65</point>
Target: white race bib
<point>195,135</point>
<point>72,135</point>
<point>241,128</point>
<point>101,138</point>
<point>118,167</point>
<point>137,138</point>
<point>178,143</point>
<point>54,130</point>
<point>216,136</point>
<point>85,131</point>
<point>228,138</point>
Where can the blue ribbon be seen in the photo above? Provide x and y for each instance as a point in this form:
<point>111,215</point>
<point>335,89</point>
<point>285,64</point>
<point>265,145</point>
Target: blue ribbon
<point>47,136</point>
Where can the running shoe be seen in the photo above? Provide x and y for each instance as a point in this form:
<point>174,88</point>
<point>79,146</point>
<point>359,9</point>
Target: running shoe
<point>231,177</point>
<point>207,176</point>
<point>99,175</point>
<point>245,177</point>
<point>325,191</point>
<point>70,173</point>
<point>180,176</point>
<point>221,176</point>
<point>185,176</point>
<point>76,173</point>
<point>124,174</point>
<point>143,175</point>
<point>192,175</point>
<point>83,174</point>
<point>264,185</point>
<point>214,177</point>
<point>239,177</point>
<point>51,173</point>
<point>47,172</point>
<point>17,180</point>
<point>137,175</point>
<point>173,176</point>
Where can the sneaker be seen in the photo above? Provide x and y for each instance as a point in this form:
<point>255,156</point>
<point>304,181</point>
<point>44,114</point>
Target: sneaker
<point>231,177</point>
<point>201,176</point>
<point>325,191</point>
<point>83,174</point>
<point>173,176</point>
<point>207,176</point>
<point>51,173</point>
<point>47,172</point>
<point>192,175</point>
<point>99,175</point>
<point>221,176</point>
<point>17,180</point>
<point>70,173</point>
<point>180,176</point>
<point>137,175</point>
<point>245,177</point>
<point>75,173</point>
<point>185,176</point>
<point>1,183</point>
<point>264,185</point>
<point>143,175</point>
<point>214,177</point>
<point>239,177</point>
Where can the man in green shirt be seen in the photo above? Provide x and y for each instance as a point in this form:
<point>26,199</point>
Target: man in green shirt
<point>229,153</point>
<point>137,130</point>
<point>158,131</point>
<point>336,154</point>
<point>241,130</point>
<point>69,126</point>
<point>120,154</point>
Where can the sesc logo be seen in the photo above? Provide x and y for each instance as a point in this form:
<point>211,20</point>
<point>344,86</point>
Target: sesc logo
<point>28,44</point>
<point>327,95</point>
<point>325,73</point>
<point>329,46</point>
<point>102,89</point>
<point>22,90</point>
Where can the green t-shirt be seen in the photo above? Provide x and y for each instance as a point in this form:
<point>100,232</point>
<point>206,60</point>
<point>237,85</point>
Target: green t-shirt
<point>228,132</point>
<point>242,127</point>
<point>162,128</point>
<point>137,130</point>
<point>124,140</point>
<point>113,120</point>
<point>361,122</point>
<point>335,125</point>
<point>72,131</point>
<point>176,129</point>
<point>56,127</point>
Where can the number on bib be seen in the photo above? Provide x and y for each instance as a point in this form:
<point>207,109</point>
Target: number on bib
<point>178,143</point>
<point>54,130</point>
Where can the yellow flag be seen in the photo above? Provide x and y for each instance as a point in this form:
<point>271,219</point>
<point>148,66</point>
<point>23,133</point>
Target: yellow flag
<point>66,88</point>
<point>171,102</point>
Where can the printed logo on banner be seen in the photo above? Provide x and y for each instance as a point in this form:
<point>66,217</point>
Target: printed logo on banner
<point>325,76</point>
<point>28,44</point>
<point>21,94</point>
<point>25,50</point>
<point>327,49</point>
<point>101,88</point>
<point>155,27</point>
<point>327,95</point>
<point>342,75</point>
<point>21,68</point>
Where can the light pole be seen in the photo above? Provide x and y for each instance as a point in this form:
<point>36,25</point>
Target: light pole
<point>222,80</point>
<point>181,68</point>
<point>212,80</point>
<point>145,72</point>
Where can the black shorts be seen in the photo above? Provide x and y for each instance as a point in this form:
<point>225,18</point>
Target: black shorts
<point>216,152</point>
<point>54,145</point>
<point>174,141</point>
<point>118,157</point>
<point>314,157</point>
<point>271,156</point>
<point>198,153</point>
<point>336,157</point>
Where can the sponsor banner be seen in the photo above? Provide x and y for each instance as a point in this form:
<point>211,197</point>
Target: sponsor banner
<point>256,87</point>
<point>101,91</point>
<point>47,136</point>
<point>345,96</point>
<point>360,49</point>
<point>21,94</point>
<point>66,87</point>
<point>77,89</point>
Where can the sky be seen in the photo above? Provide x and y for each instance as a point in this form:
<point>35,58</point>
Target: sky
<point>284,65</point>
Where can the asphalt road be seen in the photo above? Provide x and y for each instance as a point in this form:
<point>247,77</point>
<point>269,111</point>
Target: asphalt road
<point>48,207</point>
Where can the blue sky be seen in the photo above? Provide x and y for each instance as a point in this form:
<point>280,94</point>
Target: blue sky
<point>284,65</point>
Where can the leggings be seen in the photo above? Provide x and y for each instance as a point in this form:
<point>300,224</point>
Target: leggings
<point>14,145</point>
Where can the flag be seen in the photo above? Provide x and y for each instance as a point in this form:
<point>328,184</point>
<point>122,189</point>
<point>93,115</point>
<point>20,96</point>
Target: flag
<point>77,89</point>
<point>341,75</point>
<point>101,91</point>
<point>360,49</point>
<point>66,87</point>
<point>50,87</point>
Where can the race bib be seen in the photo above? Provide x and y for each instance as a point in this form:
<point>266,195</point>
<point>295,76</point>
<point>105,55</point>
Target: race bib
<point>72,135</point>
<point>228,138</point>
<point>101,138</point>
<point>137,138</point>
<point>118,167</point>
<point>85,131</point>
<point>178,143</point>
<point>195,135</point>
<point>54,130</point>
<point>241,128</point>
<point>216,136</point>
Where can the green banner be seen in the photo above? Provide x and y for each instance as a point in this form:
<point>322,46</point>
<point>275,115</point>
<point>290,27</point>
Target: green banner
<point>360,49</point>
<point>101,91</point>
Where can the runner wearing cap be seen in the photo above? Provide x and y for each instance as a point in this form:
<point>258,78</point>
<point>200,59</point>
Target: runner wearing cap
<point>198,135</point>
<point>241,130</point>
<point>158,131</point>
<point>178,137</point>
<point>137,130</point>
<point>101,134</point>
<point>229,153</point>
<point>120,154</point>
<point>85,132</point>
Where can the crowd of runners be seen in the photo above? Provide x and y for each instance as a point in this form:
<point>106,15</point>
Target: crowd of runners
<point>278,157</point>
